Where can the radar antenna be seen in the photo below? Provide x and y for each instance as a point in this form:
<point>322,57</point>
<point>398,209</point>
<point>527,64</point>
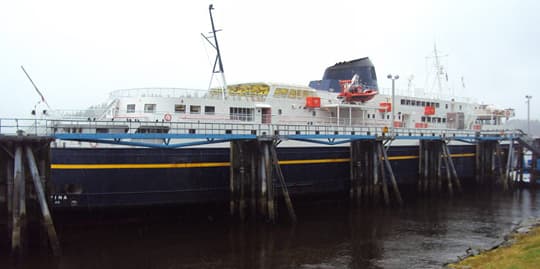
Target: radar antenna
<point>218,63</point>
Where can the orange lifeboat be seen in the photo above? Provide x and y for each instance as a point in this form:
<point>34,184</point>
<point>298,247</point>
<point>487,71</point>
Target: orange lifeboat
<point>352,91</point>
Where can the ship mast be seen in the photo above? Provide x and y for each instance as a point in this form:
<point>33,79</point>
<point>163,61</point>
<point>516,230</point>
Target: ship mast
<point>218,63</point>
<point>439,70</point>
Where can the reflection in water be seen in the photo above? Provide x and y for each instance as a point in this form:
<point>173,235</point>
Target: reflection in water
<point>426,233</point>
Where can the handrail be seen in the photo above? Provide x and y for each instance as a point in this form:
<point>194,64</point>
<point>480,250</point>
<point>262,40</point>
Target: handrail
<point>51,127</point>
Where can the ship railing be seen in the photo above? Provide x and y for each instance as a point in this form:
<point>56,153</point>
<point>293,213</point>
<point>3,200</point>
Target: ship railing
<point>49,127</point>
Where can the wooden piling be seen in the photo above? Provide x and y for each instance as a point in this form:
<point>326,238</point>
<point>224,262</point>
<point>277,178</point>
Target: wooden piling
<point>498,157</point>
<point>284,189</point>
<point>376,180</point>
<point>509,161</point>
<point>232,178</point>
<point>420,166</point>
<point>42,200</point>
<point>18,183</point>
<point>380,159</point>
<point>392,178</point>
<point>448,174</point>
<point>457,182</point>
<point>9,193</point>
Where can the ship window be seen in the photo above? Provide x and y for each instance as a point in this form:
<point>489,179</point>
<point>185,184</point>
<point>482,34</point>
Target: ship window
<point>195,109</point>
<point>446,106</point>
<point>241,113</point>
<point>130,108</point>
<point>209,110</point>
<point>437,105</point>
<point>152,130</point>
<point>102,130</point>
<point>180,108</point>
<point>443,120</point>
<point>459,107</point>
<point>279,111</point>
<point>423,119</point>
<point>373,115</point>
<point>292,93</point>
<point>368,116</point>
<point>387,117</point>
<point>413,103</point>
<point>402,101</point>
<point>423,103</point>
<point>149,108</point>
<point>408,102</point>
<point>314,113</point>
<point>281,92</point>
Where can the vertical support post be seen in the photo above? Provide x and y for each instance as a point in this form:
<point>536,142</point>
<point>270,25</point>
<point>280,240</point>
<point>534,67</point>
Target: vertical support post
<point>453,168</point>
<point>232,175</point>
<point>10,194</point>
<point>262,182</point>
<point>253,180</point>
<point>439,165</point>
<point>509,161</point>
<point>478,163</point>
<point>533,174</point>
<point>284,189</point>
<point>383,176</point>
<point>353,157</point>
<point>521,164</point>
<point>498,154</point>
<point>18,182</point>
<point>269,182</point>
<point>392,178</point>
<point>448,175</point>
<point>426,166</point>
<point>242,180</point>
<point>420,165</point>
<point>366,174</point>
<point>40,193</point>
<point>375,167</point>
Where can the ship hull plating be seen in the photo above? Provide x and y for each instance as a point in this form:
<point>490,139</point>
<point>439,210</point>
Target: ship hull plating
<point>101,177</point>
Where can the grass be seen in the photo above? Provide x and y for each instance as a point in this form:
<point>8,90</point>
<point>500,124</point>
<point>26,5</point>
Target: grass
<point>524,253</point>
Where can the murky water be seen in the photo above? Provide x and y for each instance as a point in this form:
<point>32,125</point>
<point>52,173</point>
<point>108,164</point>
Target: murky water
<point>426,233</point>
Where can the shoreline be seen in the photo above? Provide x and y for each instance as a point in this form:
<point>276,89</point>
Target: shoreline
<point>520,232</point>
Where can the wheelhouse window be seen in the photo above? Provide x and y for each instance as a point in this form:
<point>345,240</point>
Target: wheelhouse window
<point>149,108</point>
<point>180,108</point>
<point>195,109</point>
<point>209,110</point>
<point>130,108</point>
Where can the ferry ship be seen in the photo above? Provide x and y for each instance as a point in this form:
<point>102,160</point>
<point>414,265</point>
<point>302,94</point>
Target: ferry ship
<point>94,173</point>
<point>105,173</point>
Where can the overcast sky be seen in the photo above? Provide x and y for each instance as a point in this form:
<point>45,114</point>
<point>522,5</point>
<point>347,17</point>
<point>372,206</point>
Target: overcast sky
<point>78,51</point>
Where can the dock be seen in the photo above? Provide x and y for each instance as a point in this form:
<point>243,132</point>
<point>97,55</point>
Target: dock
<point>256,180</point>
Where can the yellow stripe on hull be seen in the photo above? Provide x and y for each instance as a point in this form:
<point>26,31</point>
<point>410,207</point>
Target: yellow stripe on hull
<point>220,164</point>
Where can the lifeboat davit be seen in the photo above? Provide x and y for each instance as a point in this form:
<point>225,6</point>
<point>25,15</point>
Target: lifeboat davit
<point>353,92</point>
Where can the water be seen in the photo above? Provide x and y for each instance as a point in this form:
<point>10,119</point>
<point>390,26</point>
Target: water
<point>426,233</point>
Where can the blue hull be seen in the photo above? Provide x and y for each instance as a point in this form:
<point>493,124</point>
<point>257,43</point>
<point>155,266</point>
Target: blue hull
<point>85,177</point>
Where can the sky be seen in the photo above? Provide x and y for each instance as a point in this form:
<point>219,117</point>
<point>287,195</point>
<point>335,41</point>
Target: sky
<point>78,51</point>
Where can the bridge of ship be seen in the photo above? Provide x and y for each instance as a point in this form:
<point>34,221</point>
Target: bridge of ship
<point>182,134</point>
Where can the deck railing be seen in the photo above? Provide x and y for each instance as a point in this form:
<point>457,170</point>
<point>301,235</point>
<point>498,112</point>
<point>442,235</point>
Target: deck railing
<point>47,127</point>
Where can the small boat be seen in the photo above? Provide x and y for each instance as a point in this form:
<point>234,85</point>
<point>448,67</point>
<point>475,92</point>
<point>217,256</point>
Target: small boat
<point>352,91</point>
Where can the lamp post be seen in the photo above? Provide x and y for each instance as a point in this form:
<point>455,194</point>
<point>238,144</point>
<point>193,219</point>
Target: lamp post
<point>528,97</point>
<point>393,109</point>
